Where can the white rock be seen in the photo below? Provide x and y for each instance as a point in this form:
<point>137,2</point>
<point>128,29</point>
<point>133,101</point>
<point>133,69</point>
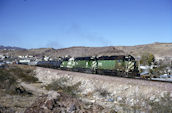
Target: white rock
<point>52,95</point>
<point>119,98</point>
<point>156,100</point>
<point>131,102</point>
<point>137,89</point>
<point>114,93</point>
<point>163,93</point>
<point>125,87</point>
<point>115,102</point>
<point>143,104</point>
<point>88,100</point>
<point>152,97</point>
<point>171,94</point>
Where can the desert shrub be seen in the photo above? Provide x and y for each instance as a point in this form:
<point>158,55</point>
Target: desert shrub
<point>7,81</point>
<point>103,92</point>
<point>10,76</point>
<point>150,106</point>
<point>164,105</point>
<point>5,109</point>
<point>89,94</point>
<point>57,84</point>
<point>147,59</point>
<point>26,75</point>
<point>60,85</point>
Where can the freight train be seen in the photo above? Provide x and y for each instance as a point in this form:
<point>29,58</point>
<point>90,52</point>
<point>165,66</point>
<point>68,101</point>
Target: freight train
<point>123,66</point>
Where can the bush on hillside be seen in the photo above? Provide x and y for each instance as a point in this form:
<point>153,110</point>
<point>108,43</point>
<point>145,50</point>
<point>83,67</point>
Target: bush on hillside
<point>9,77</point>
<point>60,85</point>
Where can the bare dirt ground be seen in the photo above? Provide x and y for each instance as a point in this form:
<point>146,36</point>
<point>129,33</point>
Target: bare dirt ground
<point>15,103</point>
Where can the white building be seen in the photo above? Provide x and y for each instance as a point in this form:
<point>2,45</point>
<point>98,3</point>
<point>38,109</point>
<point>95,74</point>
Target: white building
<point>24,61</point>
<point>2,56</point>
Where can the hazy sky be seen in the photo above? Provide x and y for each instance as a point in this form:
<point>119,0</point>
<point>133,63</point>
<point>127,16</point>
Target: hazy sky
<point>65,23</point>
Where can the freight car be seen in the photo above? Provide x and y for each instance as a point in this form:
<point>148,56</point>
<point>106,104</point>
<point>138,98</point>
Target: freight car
<point>110,65</point>
<point>49,64</point>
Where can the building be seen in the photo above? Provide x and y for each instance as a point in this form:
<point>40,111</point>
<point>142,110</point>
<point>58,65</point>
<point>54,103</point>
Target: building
<point>24,61</point>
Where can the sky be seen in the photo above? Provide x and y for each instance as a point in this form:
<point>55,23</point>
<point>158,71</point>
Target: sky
<point>93,23</point>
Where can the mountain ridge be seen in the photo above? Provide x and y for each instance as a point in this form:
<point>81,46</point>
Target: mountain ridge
<point>157,48</point>
<point>10,48</point>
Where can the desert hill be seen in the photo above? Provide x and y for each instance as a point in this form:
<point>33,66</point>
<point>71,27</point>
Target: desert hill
<point>10,48</point>
<point>158,49</point>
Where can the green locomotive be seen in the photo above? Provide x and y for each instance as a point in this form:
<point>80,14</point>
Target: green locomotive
<point>124,66</point>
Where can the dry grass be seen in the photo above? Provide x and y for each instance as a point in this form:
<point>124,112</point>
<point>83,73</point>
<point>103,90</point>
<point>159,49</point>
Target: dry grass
<point>10,76</point>
<point>60,85</point>
<point>162,106</point>
<point>103,92</point>
<point>8,82</point>
<point>23,72</point>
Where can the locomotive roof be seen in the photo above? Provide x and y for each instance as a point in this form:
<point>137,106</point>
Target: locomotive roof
<point>83,58</point>
<point>66,59</point>
<point>121,57</point>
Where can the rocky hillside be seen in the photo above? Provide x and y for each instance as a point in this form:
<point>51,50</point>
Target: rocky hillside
<point>57,91</point>
<point>20,93</point>
<point>158,49</point>
<point>122,95</point>
<point>72,51</point>
<point>10,48</point>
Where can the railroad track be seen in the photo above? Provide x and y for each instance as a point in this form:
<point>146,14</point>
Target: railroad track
<point>153,80</point>
<point>156,80</point>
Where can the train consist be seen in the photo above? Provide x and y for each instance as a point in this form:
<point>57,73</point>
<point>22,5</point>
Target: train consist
<point>124,66</point>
